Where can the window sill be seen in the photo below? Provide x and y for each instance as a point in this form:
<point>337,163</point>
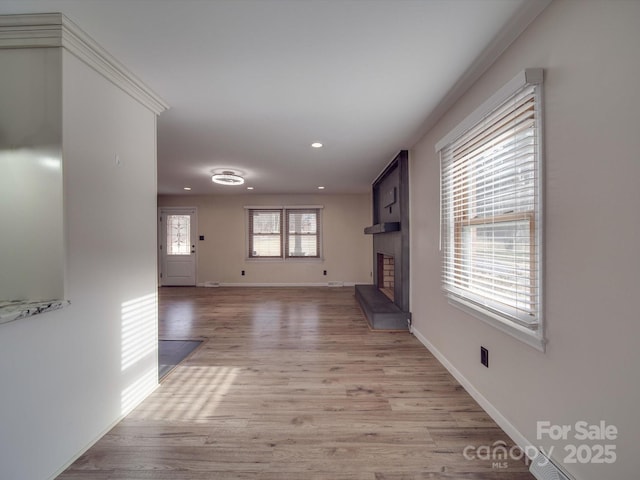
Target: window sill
<point>514,330</point>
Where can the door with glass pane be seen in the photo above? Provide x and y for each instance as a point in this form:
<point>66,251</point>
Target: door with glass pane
<point>177,246</point>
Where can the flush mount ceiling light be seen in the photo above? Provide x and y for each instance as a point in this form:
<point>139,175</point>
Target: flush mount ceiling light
<point>227,178</point>
<point>316,145</point>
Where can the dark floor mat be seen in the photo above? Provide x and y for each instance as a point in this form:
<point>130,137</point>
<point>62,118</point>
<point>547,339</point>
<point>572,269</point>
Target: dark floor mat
<point>172,352</point>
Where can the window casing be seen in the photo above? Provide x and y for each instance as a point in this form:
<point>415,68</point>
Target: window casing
<point>284,232</point>
<point>491,210</point>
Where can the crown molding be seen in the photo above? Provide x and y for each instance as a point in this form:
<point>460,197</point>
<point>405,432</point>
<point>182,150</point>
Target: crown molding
<point>51,30</point>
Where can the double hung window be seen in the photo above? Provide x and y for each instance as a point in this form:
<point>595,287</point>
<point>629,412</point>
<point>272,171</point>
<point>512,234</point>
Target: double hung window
<point>284,232</point>
<point>265,233</point>
<point>303,233</point>
<point>491,210</point>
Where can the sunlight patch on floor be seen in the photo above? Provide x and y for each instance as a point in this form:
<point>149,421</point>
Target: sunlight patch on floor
<point>199,390</point>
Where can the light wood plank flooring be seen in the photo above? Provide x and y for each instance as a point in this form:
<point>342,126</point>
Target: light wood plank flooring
<point>291,384</point>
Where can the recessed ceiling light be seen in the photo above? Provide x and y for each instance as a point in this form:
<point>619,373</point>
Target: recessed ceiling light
<point>316,145</point>
<point>249,188</point>
<point>187,188</point>
<point>227,178</point>
<point>320,188</point>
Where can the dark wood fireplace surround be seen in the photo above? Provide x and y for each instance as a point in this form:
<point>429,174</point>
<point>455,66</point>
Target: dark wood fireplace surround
<point>390,232</point>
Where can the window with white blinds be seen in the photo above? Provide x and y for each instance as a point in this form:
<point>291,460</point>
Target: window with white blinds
<point>491,209</point>
<point>303,233</point>
<point>265,233</point>
<point>284,232</point>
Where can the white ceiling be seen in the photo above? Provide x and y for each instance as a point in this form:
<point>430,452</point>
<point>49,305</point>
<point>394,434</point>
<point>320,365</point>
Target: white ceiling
<point>252,83</point>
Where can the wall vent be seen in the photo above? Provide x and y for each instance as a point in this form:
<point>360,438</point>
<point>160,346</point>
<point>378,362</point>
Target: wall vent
<point>544,469</point>
<point>211,284</point>
<point>335,284</point>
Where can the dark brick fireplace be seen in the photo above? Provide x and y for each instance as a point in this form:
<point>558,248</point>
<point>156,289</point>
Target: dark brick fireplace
<point>386,302</point>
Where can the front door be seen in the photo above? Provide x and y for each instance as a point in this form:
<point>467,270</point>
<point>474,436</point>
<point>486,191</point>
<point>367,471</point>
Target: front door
<point>177,246</point>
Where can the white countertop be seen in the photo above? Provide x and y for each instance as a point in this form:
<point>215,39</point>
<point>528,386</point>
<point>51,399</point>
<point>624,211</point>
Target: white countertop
<point>11,310</point>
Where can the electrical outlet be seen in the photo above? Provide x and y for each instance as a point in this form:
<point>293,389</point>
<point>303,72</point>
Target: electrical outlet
<point>324,272</point>
<point>484,356</point>
<point>242,273</point>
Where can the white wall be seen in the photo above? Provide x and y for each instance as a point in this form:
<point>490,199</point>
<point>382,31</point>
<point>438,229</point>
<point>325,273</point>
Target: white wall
<point>589,50</point>
<point>222,255</point>
<point>68,375</point>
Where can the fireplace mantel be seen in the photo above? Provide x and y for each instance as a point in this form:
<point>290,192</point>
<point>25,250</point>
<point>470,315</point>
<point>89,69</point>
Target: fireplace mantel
<point>382,228</point>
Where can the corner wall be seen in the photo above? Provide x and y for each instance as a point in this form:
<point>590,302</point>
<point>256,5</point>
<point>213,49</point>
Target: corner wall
<point>69,375</point>
<point>589,371</point>
<point>222,255</point>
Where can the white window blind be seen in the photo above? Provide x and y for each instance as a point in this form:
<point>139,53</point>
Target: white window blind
<point>303,233</point>
<point>491,211</point>
<point>265,233</point>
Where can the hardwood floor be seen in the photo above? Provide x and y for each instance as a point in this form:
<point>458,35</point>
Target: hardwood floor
<point>291,384</point>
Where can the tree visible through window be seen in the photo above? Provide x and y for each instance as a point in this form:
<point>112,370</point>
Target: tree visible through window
<point>302,233</point>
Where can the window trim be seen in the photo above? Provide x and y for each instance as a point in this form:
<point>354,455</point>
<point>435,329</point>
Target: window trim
<point>511,326</point>
<point>284,257</point>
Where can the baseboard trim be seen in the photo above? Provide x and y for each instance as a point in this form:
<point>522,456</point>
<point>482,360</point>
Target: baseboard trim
<point>493,412</point>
